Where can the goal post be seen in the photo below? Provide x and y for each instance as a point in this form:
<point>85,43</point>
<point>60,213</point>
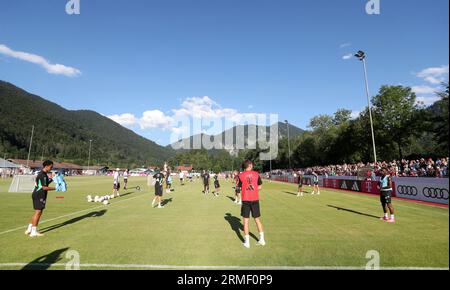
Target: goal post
<point>22,184</point>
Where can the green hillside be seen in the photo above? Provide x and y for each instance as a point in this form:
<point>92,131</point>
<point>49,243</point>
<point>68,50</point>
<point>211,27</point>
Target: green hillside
<point>64,135</point>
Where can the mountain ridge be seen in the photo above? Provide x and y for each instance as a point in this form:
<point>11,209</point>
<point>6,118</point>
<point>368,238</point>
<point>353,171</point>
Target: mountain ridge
<point>64,134</point>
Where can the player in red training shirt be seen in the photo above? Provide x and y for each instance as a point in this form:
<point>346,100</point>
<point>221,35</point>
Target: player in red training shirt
<point>250,183</point>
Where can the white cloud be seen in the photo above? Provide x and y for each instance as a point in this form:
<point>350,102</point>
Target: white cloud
<point>196,108</point>
<point>355,115</point>
<point>347,56</point>
<point>344,45</point>
<point>424,90</point>
<point>155,119</point>
<point>435,75</point>
<point>57,69</point>
<point>427,101</point>
<point>125,120</point>
<point>206,108</point>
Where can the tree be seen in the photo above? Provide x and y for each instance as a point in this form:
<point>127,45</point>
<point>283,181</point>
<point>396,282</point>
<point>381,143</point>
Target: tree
<point>442,120</point>
<point>321,123</point>
<point>342,116</point>
<point>396,113</point>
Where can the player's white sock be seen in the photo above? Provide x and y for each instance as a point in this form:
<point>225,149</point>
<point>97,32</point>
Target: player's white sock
<point>386,215</point>
<point>247,241</point>
<point>261,241</point>
<point>33,230</point>
<point>28,231</point>
<point>392,217</point>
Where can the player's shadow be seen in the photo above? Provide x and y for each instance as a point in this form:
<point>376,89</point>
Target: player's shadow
<point>166,201</point>
<point>128,193</point>
<point>291,193</point>
<point>45,262</point>
<point>231,198</point>
<point>75,220</point>
<point>353,211</point>
<point>237,226</point>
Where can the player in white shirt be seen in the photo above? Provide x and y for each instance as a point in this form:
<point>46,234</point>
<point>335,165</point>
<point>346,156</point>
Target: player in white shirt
<point>181,175</point>
<point>125,179</point>
<point>116,187</point>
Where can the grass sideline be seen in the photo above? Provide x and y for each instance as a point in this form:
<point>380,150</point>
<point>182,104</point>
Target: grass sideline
<point>332,231</point>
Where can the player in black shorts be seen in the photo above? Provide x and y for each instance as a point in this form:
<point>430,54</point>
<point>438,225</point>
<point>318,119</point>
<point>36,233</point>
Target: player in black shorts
<point>206,177</point>
<point>385,186</point>
<point>216,185</point>
<point>237,189</point>
<point>39,197</point>
<point>159,184</point>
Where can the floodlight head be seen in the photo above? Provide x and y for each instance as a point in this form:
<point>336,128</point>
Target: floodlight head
<point>361,55</point>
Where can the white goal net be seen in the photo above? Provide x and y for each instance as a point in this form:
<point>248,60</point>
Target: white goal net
<point>22,183</point>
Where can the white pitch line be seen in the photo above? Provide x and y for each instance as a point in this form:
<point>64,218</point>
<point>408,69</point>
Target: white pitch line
<point>171,267</point>
<point>70,214</point>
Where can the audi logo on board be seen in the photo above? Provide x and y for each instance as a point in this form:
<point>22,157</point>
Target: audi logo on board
<point>407,190</point>
<point>436,193</point>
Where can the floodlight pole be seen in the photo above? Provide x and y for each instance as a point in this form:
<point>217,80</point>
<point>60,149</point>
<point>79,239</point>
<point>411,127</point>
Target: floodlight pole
<point>29,149</point>
<point>362,57</point>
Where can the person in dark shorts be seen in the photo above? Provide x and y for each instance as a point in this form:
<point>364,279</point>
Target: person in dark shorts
<point>237,189</point>
<point>216,185</point>
<point>116,183</point>
<point>206,177</point>
<point>125,179</point>
<point>316,189</point>
<point>169,181</point>
<point>385,186</point>
<point>250,183</point>
<point>300,184</point>
<point>158,178</point>
<point>39,198</point>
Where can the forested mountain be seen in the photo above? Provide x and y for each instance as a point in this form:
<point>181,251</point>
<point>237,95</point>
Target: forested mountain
<point>64,135</point>
<point>236,133</point>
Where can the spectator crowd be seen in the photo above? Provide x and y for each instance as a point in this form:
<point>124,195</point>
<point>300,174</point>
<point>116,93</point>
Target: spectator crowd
<point>402,168</point>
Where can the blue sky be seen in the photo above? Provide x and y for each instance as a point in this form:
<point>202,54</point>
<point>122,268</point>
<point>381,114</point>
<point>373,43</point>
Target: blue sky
<point>142,62</point>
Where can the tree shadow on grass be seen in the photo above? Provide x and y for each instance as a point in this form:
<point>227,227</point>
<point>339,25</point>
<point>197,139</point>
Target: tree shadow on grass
<point>75,220</point>
<point>45,262</point>
<point>353,211</point>
<point>237,226</point>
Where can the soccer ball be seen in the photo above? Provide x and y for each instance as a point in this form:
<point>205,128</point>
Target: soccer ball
<point>105,202</point>
<point>89,198</point>
<point>96,198</point>
<point>111,196</point>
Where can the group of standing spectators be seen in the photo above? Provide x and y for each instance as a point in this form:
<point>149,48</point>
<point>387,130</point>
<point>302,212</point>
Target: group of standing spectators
<point>437,168</point>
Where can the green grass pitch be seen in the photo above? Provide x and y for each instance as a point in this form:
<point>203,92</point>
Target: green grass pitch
<point>335,229</point>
